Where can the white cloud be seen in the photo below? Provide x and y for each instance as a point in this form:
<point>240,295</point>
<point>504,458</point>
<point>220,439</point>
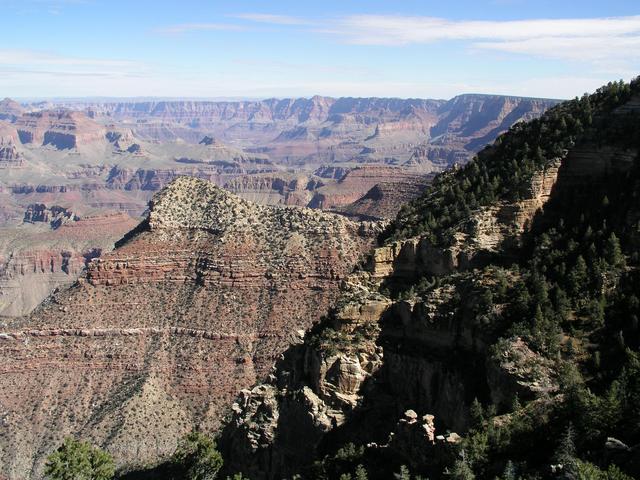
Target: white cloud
<point>273,19</point>
<point>38,57</point>
<point>24,66</point>
<point>401,30</point>
<point>571,48</point>
<point>606,40</point>
<point>609,44</point>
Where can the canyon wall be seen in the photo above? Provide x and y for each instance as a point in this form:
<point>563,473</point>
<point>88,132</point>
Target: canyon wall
<point>162,333</point>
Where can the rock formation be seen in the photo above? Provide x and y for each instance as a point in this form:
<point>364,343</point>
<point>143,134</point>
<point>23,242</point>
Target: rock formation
<point>433,320</point>
<point>54,215</point>
<point>337,129</point>
<point>63,130</point>
<point>10,110</point>
<point>374,357</point>
<point>162,333</point>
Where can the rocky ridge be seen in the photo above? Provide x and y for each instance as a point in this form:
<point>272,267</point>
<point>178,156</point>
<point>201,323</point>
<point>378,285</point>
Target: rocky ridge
<point>421,329</point>
<point>163,332</point>
<point>364,363</point>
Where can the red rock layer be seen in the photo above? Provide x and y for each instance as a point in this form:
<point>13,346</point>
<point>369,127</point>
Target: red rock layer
<point>174,323</point>
<point>60,129</point>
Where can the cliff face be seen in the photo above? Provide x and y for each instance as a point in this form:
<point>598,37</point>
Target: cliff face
<point>453,311</point>
<point>478,119</point>
<point>63,130</point>
<point>163,332</point>
<point>320,129</point>
<point>10,109</point>
<point>376,358</point>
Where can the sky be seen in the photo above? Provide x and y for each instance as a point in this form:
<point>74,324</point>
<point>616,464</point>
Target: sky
<point>261,49</point>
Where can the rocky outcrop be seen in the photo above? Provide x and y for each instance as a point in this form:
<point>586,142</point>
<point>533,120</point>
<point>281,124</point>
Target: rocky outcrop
<point>318,129</point>
<point>478,119</point>
<point>385,199</point>
<point>163,332</point>
<point>487,232</point>
<point>374,357</point>
<point>356,183</point>
<point>63,130</point>
<point>10,110</point>
<point>274,189</point>
<point>334,172</point>
<point>10,157</point>
<point>434,158</point>
<point>54,215</point>
<point>140,179</point>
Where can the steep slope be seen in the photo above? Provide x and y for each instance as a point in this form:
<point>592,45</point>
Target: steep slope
<point>502,306</point>
<point>161,334</point>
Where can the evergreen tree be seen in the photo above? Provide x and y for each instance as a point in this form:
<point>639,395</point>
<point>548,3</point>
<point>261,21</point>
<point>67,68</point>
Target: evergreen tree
<point>566,452</point>
<point>77,460</point>
<point>403,474</point>
<point>462,470</point>
<point>197,458</point>
<point>476,414</point>
<point>361,473</point>
<point>509,471</point>
<point>613,252</point>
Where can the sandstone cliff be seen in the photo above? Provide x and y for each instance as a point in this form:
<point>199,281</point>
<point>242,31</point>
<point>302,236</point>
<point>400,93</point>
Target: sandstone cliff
<point>50,250</point>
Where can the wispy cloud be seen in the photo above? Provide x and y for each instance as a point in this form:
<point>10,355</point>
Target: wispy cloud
<point>403,30</point>
<point>29,57</point>
<point>579,39</point>
<point>23,62</point>
<point>273,19</point>
<point>53,7</point>
<point>600,41</point>
<point>194,27</point>
<point>589,49</point>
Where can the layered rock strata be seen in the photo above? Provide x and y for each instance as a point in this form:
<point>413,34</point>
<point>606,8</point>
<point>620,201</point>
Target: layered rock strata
<point>374,358</point>
<point>162,333</point>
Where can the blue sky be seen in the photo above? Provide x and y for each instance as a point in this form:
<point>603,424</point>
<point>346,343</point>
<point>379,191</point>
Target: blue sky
<point>257,49</point>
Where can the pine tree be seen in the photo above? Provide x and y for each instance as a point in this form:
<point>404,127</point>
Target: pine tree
<point>462,470</point>
<point>404,473</point>
<point>566,451</point>
<point>197,458</point>
<point>476,414</point>
<point>509,471</point>
<point>578,277</point>
<point>76,460</point>
<point>613,251</point>
<point>361,473</point>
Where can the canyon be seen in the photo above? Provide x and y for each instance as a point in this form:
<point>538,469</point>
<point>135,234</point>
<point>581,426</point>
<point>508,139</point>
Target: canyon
<point>235,225</point>
<point>307,313</point>
<point>362,157</point>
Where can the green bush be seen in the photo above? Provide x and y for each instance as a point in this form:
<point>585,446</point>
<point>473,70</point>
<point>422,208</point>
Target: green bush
<point>78,460</point>
<point>196,457</point>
